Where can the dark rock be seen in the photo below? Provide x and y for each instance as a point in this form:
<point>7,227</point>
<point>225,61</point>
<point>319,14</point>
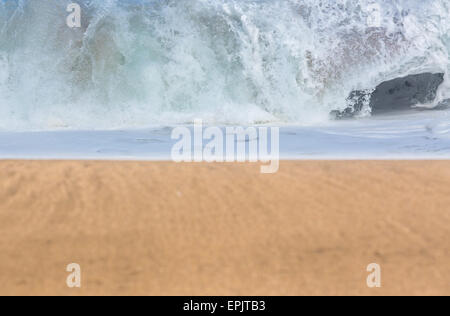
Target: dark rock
<point>394,95</point>
<point>355,104</point>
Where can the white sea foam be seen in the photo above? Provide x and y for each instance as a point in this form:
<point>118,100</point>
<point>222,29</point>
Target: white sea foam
<point>150,62</point>
<point>419,135</point>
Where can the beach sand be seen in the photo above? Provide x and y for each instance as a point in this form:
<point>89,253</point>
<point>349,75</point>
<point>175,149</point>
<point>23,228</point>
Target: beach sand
<point>160,228</point>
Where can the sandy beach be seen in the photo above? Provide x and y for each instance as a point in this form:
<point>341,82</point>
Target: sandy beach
<point>160,228</point>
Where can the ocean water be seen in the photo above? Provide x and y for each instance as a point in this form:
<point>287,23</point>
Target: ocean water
<point>409,136</point>
<point>141,66</point>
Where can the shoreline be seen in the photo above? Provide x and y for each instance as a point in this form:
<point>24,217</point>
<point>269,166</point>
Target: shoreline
<point>410,137</point>
<point>161,228</point>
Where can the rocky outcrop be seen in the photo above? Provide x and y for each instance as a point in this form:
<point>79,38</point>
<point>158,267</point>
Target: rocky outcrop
<point>394,95</point>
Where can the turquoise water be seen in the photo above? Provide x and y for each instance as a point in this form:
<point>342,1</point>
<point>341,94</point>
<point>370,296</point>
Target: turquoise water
<point>135,64</point>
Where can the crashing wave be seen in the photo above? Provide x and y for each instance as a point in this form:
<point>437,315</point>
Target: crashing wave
<point>137,63</point>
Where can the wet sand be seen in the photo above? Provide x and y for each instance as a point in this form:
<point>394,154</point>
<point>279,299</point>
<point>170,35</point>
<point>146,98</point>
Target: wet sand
<point>160,228</point>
